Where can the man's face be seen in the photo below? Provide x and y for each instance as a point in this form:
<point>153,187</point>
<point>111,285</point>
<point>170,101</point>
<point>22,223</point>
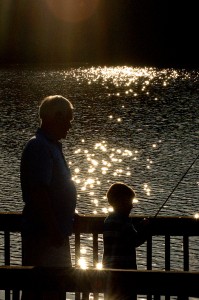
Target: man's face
<point>63,124</point>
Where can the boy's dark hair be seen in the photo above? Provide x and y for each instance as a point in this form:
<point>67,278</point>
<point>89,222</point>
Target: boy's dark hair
<point>118,192</point>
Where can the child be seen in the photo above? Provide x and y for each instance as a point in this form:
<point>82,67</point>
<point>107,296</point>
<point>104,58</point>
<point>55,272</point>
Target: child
<point>119,234</point>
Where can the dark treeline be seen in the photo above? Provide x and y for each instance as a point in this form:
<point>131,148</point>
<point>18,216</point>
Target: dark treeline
<point>139,32</point>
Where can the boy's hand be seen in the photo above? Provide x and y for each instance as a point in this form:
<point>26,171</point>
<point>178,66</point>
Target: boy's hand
<point>145,225</point>
<point>144,222</point>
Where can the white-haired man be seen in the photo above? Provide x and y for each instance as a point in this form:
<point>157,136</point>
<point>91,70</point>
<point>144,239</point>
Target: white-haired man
<point>49,194</point>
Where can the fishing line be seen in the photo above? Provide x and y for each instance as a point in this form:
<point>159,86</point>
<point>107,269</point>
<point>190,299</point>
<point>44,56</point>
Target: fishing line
<point>176,186</point>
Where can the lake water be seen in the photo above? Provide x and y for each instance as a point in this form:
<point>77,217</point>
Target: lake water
<point>135,125</point>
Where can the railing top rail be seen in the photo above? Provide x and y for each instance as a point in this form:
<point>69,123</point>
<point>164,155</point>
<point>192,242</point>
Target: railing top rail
<point>161,225</point>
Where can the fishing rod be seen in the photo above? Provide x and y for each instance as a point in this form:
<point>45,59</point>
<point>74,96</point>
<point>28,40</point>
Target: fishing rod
<point>176,186</point>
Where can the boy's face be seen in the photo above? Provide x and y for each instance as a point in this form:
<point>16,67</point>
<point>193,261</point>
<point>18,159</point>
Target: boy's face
<point>128,205</point>
<point>125,207</point>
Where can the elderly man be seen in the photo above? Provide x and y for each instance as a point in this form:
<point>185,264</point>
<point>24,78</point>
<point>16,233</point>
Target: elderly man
<point>48,192</point>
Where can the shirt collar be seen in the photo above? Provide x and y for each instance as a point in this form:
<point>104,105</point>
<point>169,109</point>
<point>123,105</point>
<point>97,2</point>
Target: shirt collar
<point>41,132</point>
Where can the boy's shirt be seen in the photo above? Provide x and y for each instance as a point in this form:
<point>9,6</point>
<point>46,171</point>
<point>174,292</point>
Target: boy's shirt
<point>120,239</point>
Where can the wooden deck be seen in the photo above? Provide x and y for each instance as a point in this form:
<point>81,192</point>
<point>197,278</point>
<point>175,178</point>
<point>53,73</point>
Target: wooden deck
<point>172,283</point>
<point>145,282</point>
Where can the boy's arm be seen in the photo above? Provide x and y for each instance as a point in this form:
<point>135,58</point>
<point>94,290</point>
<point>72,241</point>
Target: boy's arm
<point>143,232</point>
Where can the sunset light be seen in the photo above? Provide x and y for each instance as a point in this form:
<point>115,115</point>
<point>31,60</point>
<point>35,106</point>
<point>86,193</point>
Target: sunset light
<point>99,266</point>
<point>82,263</point>
<point>72,10</point>
<point>99,149</point>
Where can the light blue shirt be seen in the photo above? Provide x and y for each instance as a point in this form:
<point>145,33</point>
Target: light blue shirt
<point>43,164</point>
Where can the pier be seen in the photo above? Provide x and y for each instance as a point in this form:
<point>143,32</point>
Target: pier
<point>150,281</point>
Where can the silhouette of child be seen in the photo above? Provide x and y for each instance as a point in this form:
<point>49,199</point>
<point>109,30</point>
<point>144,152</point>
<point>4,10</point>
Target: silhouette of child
<point>119,235</point>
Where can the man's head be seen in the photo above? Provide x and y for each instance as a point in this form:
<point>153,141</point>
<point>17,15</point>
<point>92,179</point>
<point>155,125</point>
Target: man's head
<point>56,115</point>
<point>120,197</point>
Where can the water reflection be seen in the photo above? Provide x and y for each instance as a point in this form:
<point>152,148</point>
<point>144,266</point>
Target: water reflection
<point>102,162</point>
<point>136,125</point>
<point>131,80</point>
<point>83,263</point>
<point>196,215</point>
<point>99,266</point>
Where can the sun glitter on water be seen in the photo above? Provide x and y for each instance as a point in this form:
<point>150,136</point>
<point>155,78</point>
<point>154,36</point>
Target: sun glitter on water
<point>98,167</point>
<point>103,165</point>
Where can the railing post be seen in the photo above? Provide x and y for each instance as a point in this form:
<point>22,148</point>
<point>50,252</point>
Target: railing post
<point>16,295</point>
<point>149,259</point>
<point>77,248</point>
<point>77,256</point>
<point>95,256</point>
<point>186,252</point>
<point>7,247</point>
<point>149,253</point>
<point>167,257</point>
<point>167,252</point>
<point>95,249</point>
<point>7,257</point>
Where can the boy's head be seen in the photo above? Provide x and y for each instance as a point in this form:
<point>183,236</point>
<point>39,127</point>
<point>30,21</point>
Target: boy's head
<point>120,197</point>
